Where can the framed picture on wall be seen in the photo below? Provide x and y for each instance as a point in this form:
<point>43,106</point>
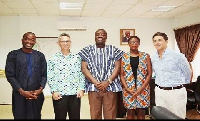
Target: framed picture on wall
<point>125,35</point>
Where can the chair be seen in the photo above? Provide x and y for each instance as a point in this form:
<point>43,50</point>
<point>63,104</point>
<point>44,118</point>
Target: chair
<point>159,112</point>
<point>194,96</point>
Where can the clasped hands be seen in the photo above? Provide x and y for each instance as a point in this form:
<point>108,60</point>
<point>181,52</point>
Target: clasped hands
<point>102,86</point>
<point>30,95</point>
<point>133,93</point>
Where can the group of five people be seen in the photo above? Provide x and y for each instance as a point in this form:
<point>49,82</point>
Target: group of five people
<point>100,70</point>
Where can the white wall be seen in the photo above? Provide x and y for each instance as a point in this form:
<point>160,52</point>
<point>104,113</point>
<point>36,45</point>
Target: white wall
<point>187,19</point>
<point>12,29</point>
<point>47,26</point>
<point>9,37</point>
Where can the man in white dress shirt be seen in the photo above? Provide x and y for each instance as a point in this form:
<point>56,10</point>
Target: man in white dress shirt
<point>172,71</point>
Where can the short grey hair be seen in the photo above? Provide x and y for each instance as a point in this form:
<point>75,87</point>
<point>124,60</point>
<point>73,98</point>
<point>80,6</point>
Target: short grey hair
<point>63,34</point>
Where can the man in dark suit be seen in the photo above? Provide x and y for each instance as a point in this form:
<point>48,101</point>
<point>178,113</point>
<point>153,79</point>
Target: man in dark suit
<point>26,71</point>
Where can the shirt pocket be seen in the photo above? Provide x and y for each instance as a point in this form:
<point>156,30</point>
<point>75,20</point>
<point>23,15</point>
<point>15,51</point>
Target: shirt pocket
<point>170,65</point>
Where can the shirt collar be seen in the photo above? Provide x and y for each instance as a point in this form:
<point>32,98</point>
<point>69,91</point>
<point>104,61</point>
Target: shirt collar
<point>167,50</point>
<point>61,54</point>
<point>95,46</point>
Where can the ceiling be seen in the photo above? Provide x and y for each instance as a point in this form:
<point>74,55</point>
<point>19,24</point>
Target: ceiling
<point>98,8</point>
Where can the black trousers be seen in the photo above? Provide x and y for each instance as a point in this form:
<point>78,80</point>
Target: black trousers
<point>26,109</point>
<point>67,104</point>
<point>121,110</point>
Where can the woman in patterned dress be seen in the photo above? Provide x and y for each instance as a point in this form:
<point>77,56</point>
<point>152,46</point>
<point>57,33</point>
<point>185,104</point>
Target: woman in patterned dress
<point>136,72</point>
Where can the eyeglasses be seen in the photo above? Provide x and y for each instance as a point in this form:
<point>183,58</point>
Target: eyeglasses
<point>65,41</point>
<point>134,42</point>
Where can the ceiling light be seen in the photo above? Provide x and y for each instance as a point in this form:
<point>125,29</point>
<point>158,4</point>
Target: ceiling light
<point>163,8</point>
<point>71,5</point>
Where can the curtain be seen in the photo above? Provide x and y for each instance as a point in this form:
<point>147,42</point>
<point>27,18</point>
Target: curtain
<point>188,40</point>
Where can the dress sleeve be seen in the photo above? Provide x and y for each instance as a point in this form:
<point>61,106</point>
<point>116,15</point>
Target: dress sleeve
<point>84,53</point>
<point>10,70</point>
<point>44,70</point>
<point>51,75</point>
<point>81,76</point>
<point>185,68</point>
<point>117,53</point>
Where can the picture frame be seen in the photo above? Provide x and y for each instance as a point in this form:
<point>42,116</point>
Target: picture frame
<point>123,33</point>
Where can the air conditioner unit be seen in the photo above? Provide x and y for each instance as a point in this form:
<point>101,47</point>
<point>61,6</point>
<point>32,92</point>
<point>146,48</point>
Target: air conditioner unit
<point>72,26</point>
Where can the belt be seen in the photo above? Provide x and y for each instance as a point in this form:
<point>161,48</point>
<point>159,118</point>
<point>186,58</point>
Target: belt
<point>170,88</point>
